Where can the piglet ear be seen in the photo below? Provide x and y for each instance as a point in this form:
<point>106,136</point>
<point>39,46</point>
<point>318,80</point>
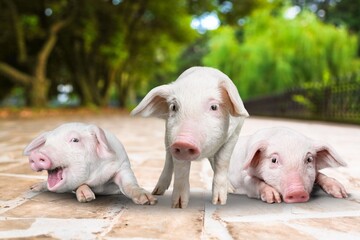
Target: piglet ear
<point>326,156</point>
<point>253,155</point>
<point>154,103</point>
<point>103,147</point>
<point>36,143</point>
<point>237,108</point>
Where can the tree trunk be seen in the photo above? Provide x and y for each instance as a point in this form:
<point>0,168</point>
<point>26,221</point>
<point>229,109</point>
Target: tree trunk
<point>38,95</point>
<point>123,87</point>
<point>36,82</point>
<point>40,85</point>
<point>86,96</point>
<point>107,88</point>
<point>19,32</point>
<point>15,75</point>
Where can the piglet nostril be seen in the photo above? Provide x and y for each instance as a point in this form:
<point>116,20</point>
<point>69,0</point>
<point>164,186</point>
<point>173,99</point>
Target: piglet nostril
<point>192,151</point>
<point>184,150</point>
<point>39,161</point>
<point>297,196</point>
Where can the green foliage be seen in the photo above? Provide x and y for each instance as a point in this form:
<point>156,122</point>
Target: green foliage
<point>120,51</point>
<point>345,12</point>
<point>243,8</point>
<point>31,25</point>
<point>302,100</point>
<point>278,53</point>
<point>129,46</point>
<point>223,53</point>
<point>115,51</point>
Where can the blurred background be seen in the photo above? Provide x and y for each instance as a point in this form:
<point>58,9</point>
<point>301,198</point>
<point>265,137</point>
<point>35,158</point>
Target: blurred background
<point>296,58</point>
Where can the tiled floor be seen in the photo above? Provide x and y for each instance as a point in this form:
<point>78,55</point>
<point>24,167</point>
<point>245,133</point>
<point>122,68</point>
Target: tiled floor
<point>25,214</point>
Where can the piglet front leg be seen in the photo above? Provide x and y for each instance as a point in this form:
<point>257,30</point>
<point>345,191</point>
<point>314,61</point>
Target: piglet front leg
<point>219,195</point>
<point>128,185</point>
<point>256,188</point>
<point>84,193</point>
<point>165,177</point>
<point>331,186</point>
<point>139,195</point>
<point>181,192</point>
<point>268,193</point>
<point>220,164</point>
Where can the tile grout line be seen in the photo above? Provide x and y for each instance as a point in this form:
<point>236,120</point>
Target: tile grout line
<point>18,201</point>
<point>214,227</point>
<point>328,234</point>
<point>287,217</point>
<point>23,176</point>
<point>113,221</point>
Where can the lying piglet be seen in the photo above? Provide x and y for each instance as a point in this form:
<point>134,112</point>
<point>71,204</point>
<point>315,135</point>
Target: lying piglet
<point>278,162</point>
<point>204,114</point>
<point>86,159</point>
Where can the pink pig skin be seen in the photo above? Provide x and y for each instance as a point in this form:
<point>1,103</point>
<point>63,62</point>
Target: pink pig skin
<point>278,163</point>
<point>204,114</point>
<point>85,159</point>
<point>39,161</point>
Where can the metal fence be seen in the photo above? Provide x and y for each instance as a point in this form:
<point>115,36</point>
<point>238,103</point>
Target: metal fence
<point>339,103</point>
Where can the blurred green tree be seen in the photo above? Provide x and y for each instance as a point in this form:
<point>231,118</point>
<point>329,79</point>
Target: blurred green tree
<point>99,47</point>
<point>346,13</point>
<point>230,13</point>
<point>31,35</point>
<point>276,53</point>
<point>120,48</point>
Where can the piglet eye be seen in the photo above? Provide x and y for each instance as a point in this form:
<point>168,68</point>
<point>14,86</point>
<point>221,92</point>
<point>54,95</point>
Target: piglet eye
<point>309,159</point>
<point>173,107</point>
<point>75,140</point>
<point>214,107</point>
<point>274,160</point>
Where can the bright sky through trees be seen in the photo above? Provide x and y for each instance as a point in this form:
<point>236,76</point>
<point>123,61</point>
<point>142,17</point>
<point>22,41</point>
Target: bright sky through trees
<point>205,22</point>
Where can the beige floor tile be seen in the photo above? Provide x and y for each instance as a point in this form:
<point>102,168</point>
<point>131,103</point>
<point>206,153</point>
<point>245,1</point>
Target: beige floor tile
<point>161,221</point>
<point>12,187</point>
<point>27,215</point>
<point>65,205</point>
<point>268,230</point>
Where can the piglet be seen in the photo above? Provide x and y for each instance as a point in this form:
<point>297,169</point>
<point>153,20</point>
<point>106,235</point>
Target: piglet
<point>278,163</point>
<point>85,159</point>
<point>204,114</point>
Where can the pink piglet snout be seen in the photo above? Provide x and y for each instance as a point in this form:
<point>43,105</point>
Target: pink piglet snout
<point>185,148</point>
<point>296,196</point>
<point>295,191</point>
<point>39,161</point>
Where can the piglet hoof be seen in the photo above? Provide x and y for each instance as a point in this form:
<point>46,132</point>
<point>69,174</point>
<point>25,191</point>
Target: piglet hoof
<point>334,188</point>
<point>269,194</point>
<point>143,197</point>
<point>159,190</point>
<point>84,194</point>
<point>219,196</point>
<point>179,201</point>
<point>39,187</point>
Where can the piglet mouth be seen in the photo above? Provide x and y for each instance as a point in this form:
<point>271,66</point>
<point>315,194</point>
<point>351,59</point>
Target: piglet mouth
<point>55,176</point>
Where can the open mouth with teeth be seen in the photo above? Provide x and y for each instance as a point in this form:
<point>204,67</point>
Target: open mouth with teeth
<point>55,177</point>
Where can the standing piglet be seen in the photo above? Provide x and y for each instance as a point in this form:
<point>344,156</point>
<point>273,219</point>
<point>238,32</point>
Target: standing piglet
<point>85,159</point>
<point>278,162</point>
<point>204,114</point>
